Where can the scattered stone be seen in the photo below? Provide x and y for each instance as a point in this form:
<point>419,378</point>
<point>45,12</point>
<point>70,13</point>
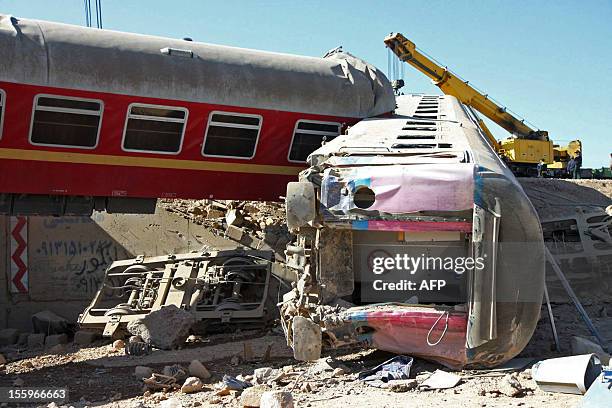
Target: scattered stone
<point>142,372</point>
<point>338,372</point>
<point>322,365</point>
<point>235,360</point>
<point>171,403</point>
<point>191,385</point>
<point>85,337</point>
<point>177,371</point>
<point>58,349</point>
<point>8,337</point>
<point>223,391</point>
<point>402,385</point>
<point>510,386</point>
<point>251,397</point>
<point>118,345</point>
<point>18,382</point>
<point>276,399</point>
<point>55,339</point>
<point>265,374</point>
<point>48,322</point>
<point>197,369</point>
<point>166,328</point>
<point>116,396</point>
<point>36,341</point>
<point>308,387</point>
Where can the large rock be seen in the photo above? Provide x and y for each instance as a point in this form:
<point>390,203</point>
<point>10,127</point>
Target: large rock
<point>276,399</point>
<point>197,369</point>
<point>166,328</point>
<point>142,372</point>
<point>171,403</point>
<point>36,341</point>
<point>48,322</point>
<point>8,337</point>
<point>191,385</point>
<point>55,339</point>
<point>251,397</point>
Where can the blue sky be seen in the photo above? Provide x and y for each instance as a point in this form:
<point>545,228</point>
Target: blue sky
<point>550,61</point>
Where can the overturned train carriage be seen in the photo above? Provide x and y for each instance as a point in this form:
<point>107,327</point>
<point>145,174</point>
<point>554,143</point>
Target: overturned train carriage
<point>415,238</point>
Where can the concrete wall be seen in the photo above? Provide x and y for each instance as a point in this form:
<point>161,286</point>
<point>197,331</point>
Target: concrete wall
<point>67,257</point>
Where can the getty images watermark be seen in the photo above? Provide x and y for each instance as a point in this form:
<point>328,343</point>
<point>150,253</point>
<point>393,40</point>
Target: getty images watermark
<point>413,265</point>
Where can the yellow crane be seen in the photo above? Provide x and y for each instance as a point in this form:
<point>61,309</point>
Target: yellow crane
<point>524,149</point>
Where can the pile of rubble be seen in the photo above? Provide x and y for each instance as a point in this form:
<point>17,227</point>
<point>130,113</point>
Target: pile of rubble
<point>255,224</point>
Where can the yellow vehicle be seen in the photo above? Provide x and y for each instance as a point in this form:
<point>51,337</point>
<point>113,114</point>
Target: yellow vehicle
<point>524,149</point>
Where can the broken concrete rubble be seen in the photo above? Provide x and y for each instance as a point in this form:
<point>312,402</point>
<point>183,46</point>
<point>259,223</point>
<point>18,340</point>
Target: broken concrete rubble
<point>276,399</point>
<point>36,341</point>
<point>191,385</point>
<point>55,339</point>
<point>251,397</point>
<point>166,328</point>
<point>8,337</point>
<point>197,369</point>
<point>48,322</point>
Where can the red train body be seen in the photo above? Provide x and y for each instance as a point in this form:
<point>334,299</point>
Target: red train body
<point>94,118</point>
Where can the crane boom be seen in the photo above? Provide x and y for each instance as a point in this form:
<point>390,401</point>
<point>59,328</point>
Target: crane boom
<point>450,84</point>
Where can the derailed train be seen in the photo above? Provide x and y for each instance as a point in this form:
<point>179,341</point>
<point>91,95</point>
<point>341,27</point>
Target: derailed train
<point>94,119</point>
<point>418,197</point>
<point>101,119</point>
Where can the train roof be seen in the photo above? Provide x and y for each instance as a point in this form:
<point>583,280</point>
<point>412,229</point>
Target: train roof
<point>415,134</point>
<point>67,56</point>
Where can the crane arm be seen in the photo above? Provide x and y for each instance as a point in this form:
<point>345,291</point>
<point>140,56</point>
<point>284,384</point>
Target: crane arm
<point>450,84</point>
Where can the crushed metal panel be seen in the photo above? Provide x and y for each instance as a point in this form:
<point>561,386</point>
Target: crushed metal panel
<point>229,286</point>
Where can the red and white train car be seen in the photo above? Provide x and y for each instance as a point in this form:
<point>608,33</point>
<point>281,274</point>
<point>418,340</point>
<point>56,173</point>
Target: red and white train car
<point>101,119</point>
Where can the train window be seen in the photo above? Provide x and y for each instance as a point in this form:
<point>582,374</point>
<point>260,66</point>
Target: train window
<point>2,103</point>
<point>308,137</point>
<point>154,129</point>
<point>232,135</point>
<point>66,121</point>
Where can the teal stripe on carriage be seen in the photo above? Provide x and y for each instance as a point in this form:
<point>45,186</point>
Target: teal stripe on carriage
<point>478,186</point>
<point>360,225</point>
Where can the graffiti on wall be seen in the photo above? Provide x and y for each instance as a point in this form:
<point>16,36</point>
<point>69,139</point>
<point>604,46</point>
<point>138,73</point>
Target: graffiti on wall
<point>70,255</point>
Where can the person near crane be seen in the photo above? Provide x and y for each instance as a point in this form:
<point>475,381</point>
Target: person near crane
<point>577,165</point>
<point>541,168</point>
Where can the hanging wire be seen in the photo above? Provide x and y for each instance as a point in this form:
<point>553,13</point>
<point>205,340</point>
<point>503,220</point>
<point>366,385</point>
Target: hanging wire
<point>99,9</point>
<point>87,4</point>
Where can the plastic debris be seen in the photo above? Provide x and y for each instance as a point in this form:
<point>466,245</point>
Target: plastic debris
<point>235,384</point>
<point>440,380</point>
<point>397,368</point>
<point>572,375</point>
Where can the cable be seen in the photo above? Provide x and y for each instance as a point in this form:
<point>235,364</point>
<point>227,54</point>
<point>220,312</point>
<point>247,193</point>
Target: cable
<point>429,343</point>
<point>100,13</point>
